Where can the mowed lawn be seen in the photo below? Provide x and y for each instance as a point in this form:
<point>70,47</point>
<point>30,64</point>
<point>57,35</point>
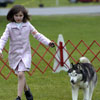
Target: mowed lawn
<point>51,3</point>
<point>55,86</point>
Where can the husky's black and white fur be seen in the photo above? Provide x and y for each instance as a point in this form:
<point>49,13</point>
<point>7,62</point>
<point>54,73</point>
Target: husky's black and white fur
<point>82,76</point>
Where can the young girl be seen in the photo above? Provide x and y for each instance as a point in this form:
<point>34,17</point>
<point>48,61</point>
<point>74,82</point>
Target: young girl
<point>18,30</point>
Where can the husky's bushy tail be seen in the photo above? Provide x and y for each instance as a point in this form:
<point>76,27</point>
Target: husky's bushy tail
<point>84,60</point>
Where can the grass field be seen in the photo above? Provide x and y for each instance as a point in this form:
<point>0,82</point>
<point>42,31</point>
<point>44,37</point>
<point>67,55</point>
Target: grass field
<point>50,3</point>
<point>50,86</point>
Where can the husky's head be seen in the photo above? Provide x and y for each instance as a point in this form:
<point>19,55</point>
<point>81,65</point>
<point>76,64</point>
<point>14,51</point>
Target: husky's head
<point>75,73</point>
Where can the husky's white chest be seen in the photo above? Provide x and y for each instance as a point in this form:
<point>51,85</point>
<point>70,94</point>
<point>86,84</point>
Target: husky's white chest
<point>81,85</point>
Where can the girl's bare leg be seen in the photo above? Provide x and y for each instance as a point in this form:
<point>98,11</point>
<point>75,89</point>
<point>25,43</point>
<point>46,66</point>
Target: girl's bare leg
<point>23,86</point>
<point>21,83</point>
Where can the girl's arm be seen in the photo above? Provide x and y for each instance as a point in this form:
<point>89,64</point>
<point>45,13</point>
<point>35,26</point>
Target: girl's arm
<point>40,37</point>
<point>4,39</point>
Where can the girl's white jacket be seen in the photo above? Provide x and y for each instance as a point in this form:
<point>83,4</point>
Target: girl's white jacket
<point>20,48</point>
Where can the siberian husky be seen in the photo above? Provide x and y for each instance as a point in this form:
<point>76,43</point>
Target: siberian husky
<point>82,76</point>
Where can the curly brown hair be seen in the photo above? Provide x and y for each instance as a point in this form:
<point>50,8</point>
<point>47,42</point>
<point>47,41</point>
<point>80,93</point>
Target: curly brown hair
<point>14,10</point>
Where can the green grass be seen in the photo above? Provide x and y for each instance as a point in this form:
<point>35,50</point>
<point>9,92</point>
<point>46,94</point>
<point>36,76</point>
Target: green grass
<point>49,3</point>
<point>50,86</point>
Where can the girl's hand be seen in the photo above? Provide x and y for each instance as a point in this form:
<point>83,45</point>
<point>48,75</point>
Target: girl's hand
<point>1,55</point>
<point>51,44</point>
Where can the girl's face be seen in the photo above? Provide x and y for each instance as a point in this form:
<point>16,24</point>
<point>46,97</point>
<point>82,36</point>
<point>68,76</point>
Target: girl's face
<point>19,17</point>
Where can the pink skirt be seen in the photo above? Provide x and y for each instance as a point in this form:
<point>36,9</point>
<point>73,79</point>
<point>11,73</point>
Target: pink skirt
<point>21,68</point>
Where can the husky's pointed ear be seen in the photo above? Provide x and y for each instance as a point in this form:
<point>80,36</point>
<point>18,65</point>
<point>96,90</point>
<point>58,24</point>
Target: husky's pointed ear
<point>79,66</point>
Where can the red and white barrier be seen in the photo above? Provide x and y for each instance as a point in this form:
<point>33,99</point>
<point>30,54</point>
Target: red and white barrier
<point>61,55</point>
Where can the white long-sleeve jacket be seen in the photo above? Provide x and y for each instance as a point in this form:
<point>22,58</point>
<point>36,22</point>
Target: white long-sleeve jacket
<point>19,43</point>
